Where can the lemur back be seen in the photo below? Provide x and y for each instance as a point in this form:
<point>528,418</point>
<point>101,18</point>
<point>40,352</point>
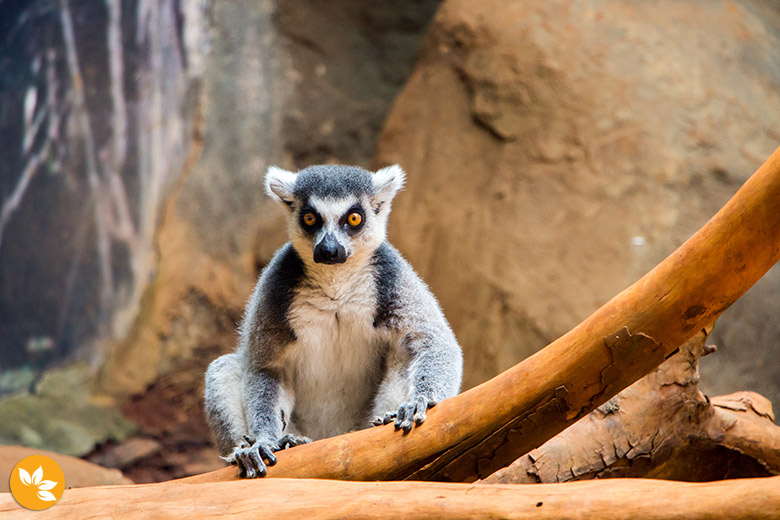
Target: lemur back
<point>339,333</point>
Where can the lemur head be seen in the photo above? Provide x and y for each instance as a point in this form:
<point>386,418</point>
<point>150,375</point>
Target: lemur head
<point>336,212</point>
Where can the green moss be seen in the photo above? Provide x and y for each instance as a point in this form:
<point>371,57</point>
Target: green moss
<point>59,416</point>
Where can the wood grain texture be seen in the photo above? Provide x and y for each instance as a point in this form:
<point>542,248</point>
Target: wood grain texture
<point>615,499</point>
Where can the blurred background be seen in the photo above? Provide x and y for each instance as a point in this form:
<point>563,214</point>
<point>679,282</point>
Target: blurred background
<point>555,150</point>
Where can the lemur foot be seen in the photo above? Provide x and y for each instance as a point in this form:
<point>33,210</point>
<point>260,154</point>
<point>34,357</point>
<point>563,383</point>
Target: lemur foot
<point>407,412</point>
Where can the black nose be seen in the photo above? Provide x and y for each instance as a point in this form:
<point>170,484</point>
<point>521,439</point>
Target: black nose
<point>329,251</point>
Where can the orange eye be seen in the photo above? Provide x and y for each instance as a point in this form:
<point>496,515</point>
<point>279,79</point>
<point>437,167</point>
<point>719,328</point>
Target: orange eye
<point>309,219</point>
<point>354,219</point>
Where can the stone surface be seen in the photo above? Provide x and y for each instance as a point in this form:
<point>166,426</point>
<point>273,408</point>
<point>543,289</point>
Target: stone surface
<point>78,473</point>
<point>558,150</point>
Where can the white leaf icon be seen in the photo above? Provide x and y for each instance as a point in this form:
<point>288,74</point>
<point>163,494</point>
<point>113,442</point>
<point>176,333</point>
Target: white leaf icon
<point>46,485</point>
<point>25,477</point>
<point>37,475</point>
<point>46,496</point>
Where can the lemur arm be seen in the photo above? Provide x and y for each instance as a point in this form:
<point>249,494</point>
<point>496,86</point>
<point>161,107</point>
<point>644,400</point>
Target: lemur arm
<point>409,312</point>
<point>268,408</point>
<point>434,374</point>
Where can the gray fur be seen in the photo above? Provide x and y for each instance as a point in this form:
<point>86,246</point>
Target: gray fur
<point>335,182</point>
<point>326,349</point>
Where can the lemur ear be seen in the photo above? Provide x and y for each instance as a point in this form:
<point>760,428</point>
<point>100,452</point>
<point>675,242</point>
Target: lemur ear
<point>387,182</point>
<point>280,184</point>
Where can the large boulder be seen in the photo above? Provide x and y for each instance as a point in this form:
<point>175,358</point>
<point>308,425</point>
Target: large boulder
<point>558,150</point>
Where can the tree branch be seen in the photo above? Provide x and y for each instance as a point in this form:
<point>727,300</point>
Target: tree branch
<point>620,499</point>
<point>662,426</point>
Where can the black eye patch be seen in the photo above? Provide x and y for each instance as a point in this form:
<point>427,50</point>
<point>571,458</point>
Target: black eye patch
<point>353,220</point>
<point>309,220</point>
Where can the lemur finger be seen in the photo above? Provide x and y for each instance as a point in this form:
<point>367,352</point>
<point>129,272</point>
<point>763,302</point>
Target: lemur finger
<point>257,463</point>
<point>405,416</point>
<point>285,441</point>
<point>245,468</point>
<point>291,441</point>
<point>422,405</point>
<point>389,417</point>
<point>267,453</point>
<point>301,440</point>
<point>399,417</point>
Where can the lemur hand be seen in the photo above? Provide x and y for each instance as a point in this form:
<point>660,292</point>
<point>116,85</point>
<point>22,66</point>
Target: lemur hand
<point>250,454</point>
<point>407,412</point>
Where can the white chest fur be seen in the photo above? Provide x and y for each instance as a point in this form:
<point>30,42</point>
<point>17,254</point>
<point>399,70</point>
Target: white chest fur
<point>334,367</point>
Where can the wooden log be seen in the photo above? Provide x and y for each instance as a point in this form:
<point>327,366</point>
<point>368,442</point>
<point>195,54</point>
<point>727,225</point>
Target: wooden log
<point>662,426</point>
<point>486,428</point>
<point>306,499</point>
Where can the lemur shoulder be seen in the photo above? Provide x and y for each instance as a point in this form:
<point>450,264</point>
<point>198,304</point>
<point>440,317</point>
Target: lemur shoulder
<point>339,333</point>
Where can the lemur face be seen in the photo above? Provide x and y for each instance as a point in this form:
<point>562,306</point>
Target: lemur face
<point>336,212</point>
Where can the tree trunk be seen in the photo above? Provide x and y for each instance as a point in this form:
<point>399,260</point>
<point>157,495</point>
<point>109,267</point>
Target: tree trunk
<point>488,427</point>
<point>662,426</point>
<point>633,499</point>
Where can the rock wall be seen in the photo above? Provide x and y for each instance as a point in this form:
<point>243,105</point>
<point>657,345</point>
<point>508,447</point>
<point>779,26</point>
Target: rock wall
<point>200,97</point>
<point>281,86</point>
<point>558,150</point>
<point>96,123</point>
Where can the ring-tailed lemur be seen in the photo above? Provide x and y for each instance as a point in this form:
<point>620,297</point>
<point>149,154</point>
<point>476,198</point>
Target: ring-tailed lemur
<point>339,333</point>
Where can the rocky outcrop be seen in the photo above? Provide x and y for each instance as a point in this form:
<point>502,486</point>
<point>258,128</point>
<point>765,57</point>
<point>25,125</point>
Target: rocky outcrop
<point>557,150</point>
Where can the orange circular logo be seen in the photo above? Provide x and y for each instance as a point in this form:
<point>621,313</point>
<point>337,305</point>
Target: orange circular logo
<point>37,482</point>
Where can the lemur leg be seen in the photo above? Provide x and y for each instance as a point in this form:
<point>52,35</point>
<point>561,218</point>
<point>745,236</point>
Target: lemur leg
<point>224,398</point>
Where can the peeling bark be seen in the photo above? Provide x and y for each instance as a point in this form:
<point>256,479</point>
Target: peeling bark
<point>662,426</point>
